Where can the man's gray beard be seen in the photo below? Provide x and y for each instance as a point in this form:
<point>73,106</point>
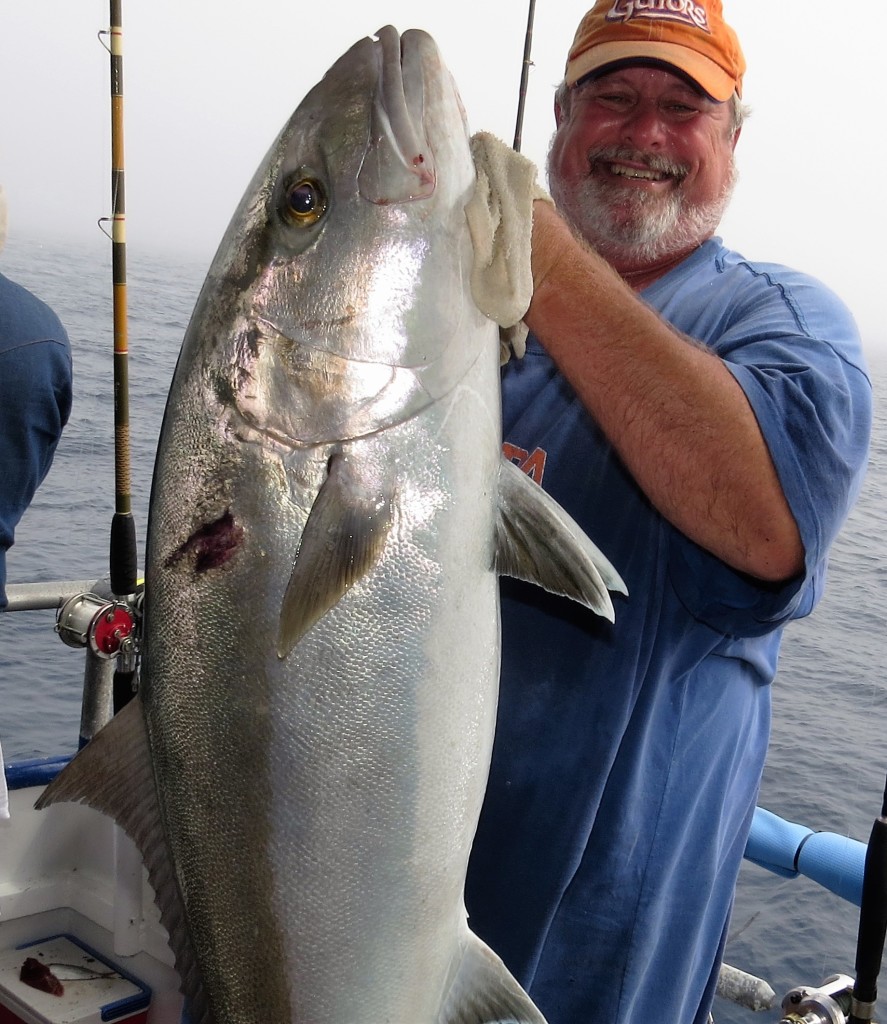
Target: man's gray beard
<point>638,226</point>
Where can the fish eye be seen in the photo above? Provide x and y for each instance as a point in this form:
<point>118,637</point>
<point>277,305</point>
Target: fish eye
<point>305,202</point>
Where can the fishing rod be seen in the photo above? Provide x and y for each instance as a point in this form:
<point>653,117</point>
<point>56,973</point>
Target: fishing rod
<point>106,623</point>
<point>123,553</point>
<point>524,77</point>
<point>872,923</point>
<point>104,617</point>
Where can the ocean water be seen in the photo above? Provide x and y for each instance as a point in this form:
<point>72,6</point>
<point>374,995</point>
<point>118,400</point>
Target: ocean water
<point>828,757</point>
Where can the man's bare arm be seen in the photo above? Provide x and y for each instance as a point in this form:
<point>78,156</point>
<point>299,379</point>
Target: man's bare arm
<point>676,415</point>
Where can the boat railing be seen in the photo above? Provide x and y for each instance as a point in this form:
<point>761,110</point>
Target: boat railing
<point>24,597</point>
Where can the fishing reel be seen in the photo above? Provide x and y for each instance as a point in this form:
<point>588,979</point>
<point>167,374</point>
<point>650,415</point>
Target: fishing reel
<point>831,1003</point>
<point>106,625</point>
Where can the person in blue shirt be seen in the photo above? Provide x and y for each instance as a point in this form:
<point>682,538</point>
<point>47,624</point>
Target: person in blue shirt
<point>35,400</point>
<point>705,418</point>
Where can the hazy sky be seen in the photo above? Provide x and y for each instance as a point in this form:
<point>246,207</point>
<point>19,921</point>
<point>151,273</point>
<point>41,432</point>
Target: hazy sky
<point>208,83</point>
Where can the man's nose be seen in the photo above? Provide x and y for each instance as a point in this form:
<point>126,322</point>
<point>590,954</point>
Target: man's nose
<point>645,127</point>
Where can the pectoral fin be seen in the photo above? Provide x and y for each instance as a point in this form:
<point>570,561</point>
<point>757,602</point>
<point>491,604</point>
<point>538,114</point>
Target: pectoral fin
<point>342,540</point>
<point>539,542</point>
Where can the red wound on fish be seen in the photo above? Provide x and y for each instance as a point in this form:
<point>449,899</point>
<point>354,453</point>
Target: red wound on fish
<point>39,976</point>
<point>211,545</point>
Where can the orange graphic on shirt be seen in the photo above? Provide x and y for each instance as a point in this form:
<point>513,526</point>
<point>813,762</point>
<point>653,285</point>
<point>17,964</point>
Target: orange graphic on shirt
<point>532,463</point>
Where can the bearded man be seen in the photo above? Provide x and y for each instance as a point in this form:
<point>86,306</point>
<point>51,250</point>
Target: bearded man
<point>706,419</point>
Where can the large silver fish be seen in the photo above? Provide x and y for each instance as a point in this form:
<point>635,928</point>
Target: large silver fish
<point>304,766</point>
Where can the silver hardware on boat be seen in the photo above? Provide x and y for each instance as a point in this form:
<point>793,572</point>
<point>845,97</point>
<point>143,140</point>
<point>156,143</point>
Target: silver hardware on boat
<point>829,1004</point>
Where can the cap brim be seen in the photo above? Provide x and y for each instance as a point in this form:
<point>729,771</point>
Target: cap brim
<point>708,75</point>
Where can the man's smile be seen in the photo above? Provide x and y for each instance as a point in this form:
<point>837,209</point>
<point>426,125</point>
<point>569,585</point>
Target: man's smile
<point>639,173</point>
<point>631,166</point>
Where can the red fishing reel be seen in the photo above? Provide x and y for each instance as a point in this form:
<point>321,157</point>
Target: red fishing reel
<point>105,626</point>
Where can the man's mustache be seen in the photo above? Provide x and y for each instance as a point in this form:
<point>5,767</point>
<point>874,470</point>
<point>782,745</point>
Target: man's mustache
<point>625,154</point>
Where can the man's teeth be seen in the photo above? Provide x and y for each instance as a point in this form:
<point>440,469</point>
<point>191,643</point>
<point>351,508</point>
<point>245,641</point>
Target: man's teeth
<point>636,172</point>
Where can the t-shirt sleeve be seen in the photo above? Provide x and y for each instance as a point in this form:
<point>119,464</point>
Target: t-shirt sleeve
<point>795,350</point>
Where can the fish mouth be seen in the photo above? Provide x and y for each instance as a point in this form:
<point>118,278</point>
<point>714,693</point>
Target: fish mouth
<point>399,164</point>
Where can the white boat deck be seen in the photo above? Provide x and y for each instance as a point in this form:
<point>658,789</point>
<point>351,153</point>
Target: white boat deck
<point>69,870</point>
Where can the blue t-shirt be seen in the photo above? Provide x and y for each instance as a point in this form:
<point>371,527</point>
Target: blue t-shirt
<point>628,758</point>
<point>35,402</point>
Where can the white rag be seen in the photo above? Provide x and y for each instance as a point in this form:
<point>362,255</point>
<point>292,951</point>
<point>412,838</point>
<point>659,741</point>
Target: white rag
<point>500,220</point>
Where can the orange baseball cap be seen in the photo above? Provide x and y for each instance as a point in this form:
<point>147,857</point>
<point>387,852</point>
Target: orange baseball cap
<point>690,35</point>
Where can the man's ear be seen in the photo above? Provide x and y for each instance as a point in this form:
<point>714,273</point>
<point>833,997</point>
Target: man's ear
<point>558,113</point>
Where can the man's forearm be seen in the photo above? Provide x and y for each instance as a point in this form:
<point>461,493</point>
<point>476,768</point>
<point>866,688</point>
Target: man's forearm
<point>676,415</point>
